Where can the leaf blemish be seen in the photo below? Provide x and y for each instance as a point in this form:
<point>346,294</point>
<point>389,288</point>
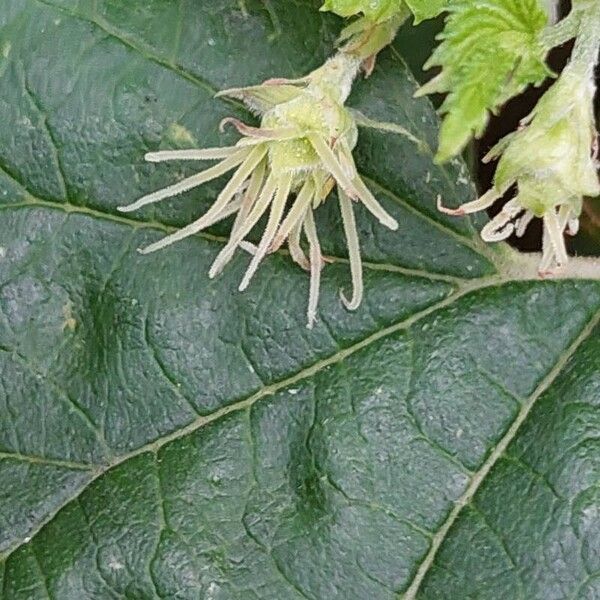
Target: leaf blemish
<point>69,322</point>
<point>180,136</point>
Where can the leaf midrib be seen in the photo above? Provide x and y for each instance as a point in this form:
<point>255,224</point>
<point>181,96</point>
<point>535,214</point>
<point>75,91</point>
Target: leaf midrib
<point>67,207</point>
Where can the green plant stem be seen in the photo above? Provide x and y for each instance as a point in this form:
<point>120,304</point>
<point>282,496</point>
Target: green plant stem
<point>587,47</point>
<point>363,40</point>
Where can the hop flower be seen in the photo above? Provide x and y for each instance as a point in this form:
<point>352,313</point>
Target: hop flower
<point>552,159</point>
<point>303,149</point>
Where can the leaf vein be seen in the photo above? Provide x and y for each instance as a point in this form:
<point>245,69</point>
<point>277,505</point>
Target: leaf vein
<point>131,44</point>
<point>462,240</point>
<point>499,451</point>
<point>141,224</point>
<point>502,542</point>
<point>44,121</point>
<point>50,462</point>
<point>63,393</point>
<point>150,344</point>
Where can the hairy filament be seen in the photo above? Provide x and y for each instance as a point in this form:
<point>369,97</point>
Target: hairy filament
<point>250,195</point>
<point>296,213</point>
<point>204,154</point>
<point>190,182</point>
<point>259,208</point>
<point>316,263</point>
<point>373,206</point>
<point>353,253</point>
<point>555,236</point>
<point>296,251</point>
<point>332,164</point>
<point>277,209</point>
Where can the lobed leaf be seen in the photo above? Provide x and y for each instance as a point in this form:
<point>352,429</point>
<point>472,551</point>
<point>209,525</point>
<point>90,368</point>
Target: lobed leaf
<point>490,52</point>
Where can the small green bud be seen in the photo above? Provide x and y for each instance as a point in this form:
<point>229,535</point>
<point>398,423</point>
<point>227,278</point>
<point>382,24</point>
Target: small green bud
<point>374,28</point>
<point>552,154</point>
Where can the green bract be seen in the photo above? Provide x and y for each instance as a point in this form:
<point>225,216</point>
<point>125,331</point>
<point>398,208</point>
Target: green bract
<point>490,51</point>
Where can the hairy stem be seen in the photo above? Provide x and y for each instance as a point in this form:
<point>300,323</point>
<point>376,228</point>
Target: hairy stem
<point>587,47</point>
<point>363,40</point>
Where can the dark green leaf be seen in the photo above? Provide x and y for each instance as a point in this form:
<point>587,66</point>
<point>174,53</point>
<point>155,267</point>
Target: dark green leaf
<point>162,436</point>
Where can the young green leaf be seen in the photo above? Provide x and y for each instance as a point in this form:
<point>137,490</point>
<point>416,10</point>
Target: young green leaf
<point>374,10</point>
<point>490,52</point>
<point>380,10</point>
<point>426,9</point>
